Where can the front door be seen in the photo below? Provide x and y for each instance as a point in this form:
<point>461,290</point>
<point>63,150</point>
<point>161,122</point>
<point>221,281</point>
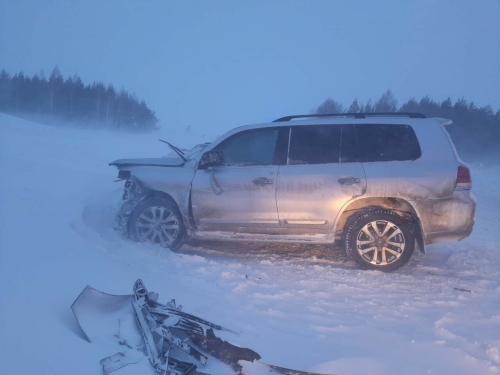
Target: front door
<point>241,192</point>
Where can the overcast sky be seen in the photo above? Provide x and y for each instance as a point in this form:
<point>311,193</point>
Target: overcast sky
<point>215,65</point>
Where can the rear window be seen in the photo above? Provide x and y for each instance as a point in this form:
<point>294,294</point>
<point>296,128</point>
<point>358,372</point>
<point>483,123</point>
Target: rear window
<point>387,142</point>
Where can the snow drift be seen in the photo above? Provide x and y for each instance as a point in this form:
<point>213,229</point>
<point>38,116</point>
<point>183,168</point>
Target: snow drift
<point>301,307</point>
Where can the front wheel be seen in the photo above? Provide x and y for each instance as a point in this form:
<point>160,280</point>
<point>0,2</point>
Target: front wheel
<point>379,240</point>
<point>157,220</point>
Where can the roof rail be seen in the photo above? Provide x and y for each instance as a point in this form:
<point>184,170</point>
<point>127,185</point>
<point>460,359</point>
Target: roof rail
<point>355,115</point>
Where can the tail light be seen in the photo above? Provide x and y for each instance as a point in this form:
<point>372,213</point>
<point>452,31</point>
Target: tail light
<point>464,182</point>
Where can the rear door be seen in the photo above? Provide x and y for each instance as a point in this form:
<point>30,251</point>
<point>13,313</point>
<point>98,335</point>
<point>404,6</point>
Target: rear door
<point>321,175</point>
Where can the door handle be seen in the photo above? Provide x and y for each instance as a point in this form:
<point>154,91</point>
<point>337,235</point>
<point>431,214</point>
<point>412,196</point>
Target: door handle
<point>262,181</point>
<point>349,180</point>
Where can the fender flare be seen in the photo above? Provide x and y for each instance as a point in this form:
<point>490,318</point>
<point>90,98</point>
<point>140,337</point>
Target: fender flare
<point>399,205</point>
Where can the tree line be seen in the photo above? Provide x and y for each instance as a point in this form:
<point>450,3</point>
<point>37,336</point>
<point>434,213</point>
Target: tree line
<point>475,130</point>
<point>60,100</point>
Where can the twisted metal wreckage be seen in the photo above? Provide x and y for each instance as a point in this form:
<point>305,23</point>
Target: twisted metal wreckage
<point>169,337</point>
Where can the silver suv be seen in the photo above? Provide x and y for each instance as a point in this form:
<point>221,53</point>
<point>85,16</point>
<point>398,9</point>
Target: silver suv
<point>378,184</point>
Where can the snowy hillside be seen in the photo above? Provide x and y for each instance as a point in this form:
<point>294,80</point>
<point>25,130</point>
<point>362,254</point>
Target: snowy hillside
<point>298,307</point>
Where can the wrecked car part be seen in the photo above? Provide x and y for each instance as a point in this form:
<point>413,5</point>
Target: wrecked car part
<point>133,193</point>
<point>288,371</point>
<point>123,175</point>
<point>158,338</point>
<point>224,351</point>
<point>165,310</point>
<point>121,359</point>
<point>155,335</point>
<point>108,307</point>
<point>161,332</point>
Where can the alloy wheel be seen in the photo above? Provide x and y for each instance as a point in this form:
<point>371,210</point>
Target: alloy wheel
<point>157,224</point>
<point>380,242</point>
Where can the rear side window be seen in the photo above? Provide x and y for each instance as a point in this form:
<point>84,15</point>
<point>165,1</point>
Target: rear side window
<point>348,145</point>
<point>314,144</point>
<point>387,142</point>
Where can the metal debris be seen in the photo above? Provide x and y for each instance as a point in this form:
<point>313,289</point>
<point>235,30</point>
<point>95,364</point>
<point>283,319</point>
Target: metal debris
<point>163,333</point>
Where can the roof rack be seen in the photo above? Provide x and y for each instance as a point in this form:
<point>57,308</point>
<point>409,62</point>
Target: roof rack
<point>355,115</point>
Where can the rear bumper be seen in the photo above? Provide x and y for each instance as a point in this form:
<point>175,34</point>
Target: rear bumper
<point>450,219</point>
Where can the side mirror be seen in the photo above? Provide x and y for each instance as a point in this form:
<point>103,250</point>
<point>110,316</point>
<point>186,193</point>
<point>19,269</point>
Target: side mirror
<point>212,158</point>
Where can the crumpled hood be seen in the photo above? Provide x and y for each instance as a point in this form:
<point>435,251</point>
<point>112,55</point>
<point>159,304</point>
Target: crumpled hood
<point>148,162</point>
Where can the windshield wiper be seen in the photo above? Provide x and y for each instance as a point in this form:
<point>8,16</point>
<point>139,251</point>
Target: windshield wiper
<point>176,150</point>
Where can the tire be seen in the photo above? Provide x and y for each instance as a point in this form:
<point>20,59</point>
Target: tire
<point>157,220</point>
<point>378,239</point>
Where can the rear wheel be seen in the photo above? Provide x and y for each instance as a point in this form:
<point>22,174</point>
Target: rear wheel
<point>157,220</point>
<point>379,240</point>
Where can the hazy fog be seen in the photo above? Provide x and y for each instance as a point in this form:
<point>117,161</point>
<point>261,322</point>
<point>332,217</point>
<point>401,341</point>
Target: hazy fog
<point>221,64</point>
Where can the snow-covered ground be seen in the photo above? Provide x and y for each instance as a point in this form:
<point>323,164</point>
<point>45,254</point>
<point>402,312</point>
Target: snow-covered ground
<point>298,307</point>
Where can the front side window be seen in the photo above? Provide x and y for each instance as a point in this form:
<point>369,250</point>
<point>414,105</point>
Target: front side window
<point>387,142</point>
<point>250,147</point>
<point>314,144</point>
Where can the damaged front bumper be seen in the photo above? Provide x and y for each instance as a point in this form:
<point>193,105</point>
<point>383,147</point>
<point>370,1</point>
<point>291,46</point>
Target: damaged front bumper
<point>133,193</point>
